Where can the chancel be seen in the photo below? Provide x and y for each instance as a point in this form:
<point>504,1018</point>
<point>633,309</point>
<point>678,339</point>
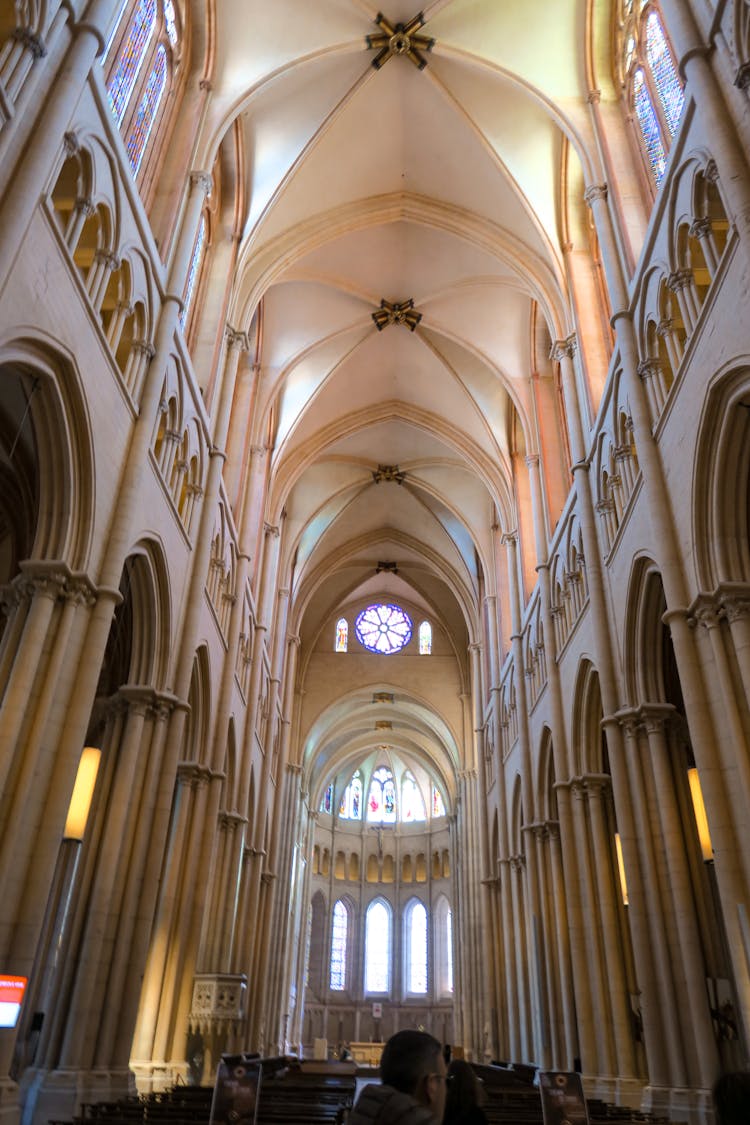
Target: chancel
<point>354,679</point>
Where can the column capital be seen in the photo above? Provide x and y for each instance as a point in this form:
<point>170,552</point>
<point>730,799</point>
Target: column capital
<point>595,192</point>
<point>532,460</point>
<point>203,180</point>
<point>564,348</point>
<point>235,338</point>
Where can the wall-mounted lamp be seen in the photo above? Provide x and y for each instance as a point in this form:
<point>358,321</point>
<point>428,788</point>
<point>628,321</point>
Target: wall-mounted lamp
<point>621,870</point>
<point>701,820</point>
<point>83,792</point>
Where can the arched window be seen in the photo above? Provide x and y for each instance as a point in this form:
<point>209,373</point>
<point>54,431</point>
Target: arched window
<point>415,949</point>
<point>193,272</point>
<point>342,635</point>
<point>140,61</point>
<point>412,804</point>
<point>438,808</point>
<point>649,78</point>
<point>339,940</point>
<point>378,947</point>
<point>383,628</point>
<point>443,938</point>
<point>132,53</point>
<point>350,807</point>
<point>381,800</point>
<point>425,639</point>
<point>327,803</point>
<point>143,122</point>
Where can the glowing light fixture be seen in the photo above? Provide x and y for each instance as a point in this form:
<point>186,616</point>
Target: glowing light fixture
<point>701,820</point>
<point>83,792</point>
<point>621,870</point>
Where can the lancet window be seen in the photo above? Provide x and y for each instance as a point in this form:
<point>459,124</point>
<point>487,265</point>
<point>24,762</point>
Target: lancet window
<point>350,807</point>
<point>140,61</point>
<point>342,635</point>
<point>378,947</point>
<point>339,941</point>
<point>649,78</point>
<point>381,800</point>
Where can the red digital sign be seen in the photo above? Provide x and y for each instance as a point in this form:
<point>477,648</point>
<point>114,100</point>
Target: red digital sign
<point>11,998</point>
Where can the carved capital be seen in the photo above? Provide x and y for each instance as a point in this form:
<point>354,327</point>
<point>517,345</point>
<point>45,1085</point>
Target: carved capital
<point>564,348</point>
<point>236,339</point>
<point>700,228</point>
<point>71,144</point>
<point>595,192</point>
<point>202,180</point>
<point>680,279</point>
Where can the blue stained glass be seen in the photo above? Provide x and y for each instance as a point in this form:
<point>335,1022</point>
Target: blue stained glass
<point>195,262</point>
<point>146,115</point>
<point>327,800</point>
<point>666,79</point>
<point>383,628</point>
<point>123,77</point>
<point>338,947</point>
<point>649,125</point>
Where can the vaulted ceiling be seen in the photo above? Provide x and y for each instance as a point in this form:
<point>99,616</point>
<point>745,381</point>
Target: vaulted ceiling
<point>369,187</point>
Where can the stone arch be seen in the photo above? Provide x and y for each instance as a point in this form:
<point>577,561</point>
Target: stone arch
<point>49,462</point>
<point>589,747</point>
<point>721,515</point>
<point>199,703</point>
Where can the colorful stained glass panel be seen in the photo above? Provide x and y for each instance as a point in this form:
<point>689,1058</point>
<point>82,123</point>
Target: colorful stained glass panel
<point>666,79</point>
<point>195,262</point>
<point>147,110</point>
<point>383,628</point>
<point>123,77</point>
<point>338,947</point>
<point>649,126</point>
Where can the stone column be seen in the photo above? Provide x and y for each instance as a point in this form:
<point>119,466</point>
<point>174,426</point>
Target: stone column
<point>610,930</point>
<point>705,1058</point>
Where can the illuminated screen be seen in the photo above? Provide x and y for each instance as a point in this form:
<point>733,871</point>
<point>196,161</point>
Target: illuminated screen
<point>11,996</point>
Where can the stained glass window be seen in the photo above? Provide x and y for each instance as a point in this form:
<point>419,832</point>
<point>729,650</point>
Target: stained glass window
<point>438,808</point>
<point>144,119</point>
<point>338,946</point>
<point>381,800</point>
<point>666,79</point>
<point>327,802</point>
<point>122,80</point>
<point>350,807</point>
<point>649,126</point>
<point>195,262</point>
<point>412,805</point>
<point>443,956</point>
<point>378,947</point>
<point>425,639</point>
<point>170,22</point>
<point>383,628</point>
<point>416,949</point>
<point>342,635</point>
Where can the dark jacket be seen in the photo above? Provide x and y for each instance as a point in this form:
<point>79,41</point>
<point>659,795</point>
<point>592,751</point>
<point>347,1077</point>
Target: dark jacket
<point>382,1105</point>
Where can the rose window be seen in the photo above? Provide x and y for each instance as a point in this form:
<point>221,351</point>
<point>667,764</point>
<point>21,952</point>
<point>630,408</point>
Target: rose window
<point>383,628</point>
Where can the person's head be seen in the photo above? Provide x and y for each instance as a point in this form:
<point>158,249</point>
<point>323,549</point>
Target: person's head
<point>732,1098</point>
<point>464,1091</point>
<point>413,1063</point>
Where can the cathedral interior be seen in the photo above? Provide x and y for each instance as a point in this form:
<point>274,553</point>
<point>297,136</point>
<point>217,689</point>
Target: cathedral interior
<point>374,539</point>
